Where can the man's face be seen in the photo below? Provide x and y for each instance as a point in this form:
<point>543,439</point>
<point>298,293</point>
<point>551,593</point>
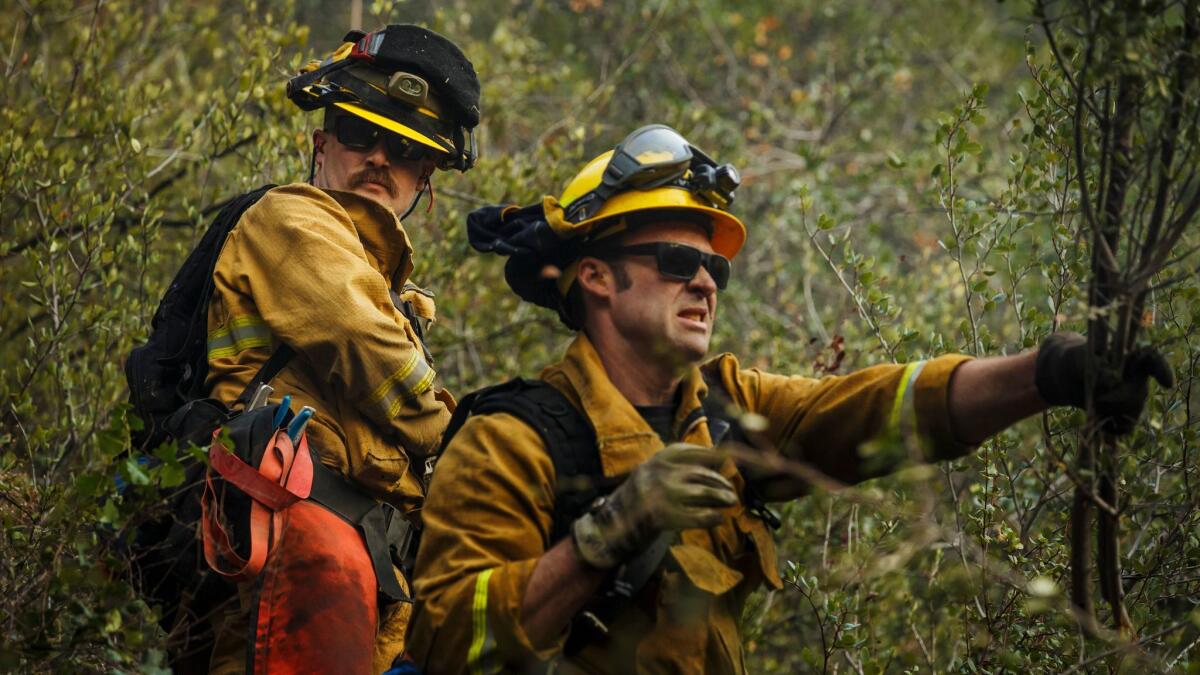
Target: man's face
<point>370,172</point>
<point>668,318</point>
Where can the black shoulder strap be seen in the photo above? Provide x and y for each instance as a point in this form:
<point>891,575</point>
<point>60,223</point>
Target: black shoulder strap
<point>278,359</point>
<point>571,441</point>
<point>566,432</point>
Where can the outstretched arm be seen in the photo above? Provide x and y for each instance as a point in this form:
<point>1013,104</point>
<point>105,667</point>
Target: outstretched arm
<point>988,395</point>
<point>928,410</point>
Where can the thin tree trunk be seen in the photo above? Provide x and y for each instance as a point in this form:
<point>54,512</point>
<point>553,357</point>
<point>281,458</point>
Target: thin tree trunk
<point>1081,549</point>
<point>1108,348</point>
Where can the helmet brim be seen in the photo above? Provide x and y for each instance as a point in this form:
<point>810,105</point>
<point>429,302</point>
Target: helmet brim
<point>728,235</point>
<point>407,131</point>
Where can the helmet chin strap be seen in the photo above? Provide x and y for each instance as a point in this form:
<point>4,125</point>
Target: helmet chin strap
<point>427,185</point>
<point>312,165</point>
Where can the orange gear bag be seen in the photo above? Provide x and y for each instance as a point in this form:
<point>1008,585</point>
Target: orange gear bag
<point>316,595</point>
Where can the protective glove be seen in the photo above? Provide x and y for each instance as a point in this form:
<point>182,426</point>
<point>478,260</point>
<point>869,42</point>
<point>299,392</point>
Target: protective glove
<point>1119,398</point>
<point>676,489</point>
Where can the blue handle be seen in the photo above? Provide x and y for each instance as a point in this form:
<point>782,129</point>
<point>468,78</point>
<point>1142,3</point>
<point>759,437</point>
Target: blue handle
<point>296,428</point>
<point>285,404</point>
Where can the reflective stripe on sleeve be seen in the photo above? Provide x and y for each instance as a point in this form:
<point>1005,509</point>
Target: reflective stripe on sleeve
<point>902,423</point>
<point>482,642</point>
<point>414,378</point>
<point>240,334</point>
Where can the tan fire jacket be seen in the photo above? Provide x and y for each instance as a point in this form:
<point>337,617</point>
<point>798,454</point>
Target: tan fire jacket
<point>489,512</point>
<point>324,271</point>
<point>318,270</point>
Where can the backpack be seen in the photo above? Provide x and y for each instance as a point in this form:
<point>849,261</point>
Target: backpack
<point>166,379</point>
<point>570,440</point>
<point>169,370</point>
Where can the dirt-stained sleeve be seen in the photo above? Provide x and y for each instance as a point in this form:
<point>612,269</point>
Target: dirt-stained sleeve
<point>300,259</point>
<point>487,520</point>
<point>856,426</point>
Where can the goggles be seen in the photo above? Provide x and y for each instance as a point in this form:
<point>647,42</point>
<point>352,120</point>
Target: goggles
<point>360,135</point>
<point>656,156</point>
<point>677,261</point>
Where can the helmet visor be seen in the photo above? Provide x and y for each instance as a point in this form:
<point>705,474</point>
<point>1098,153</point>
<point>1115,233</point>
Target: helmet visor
<point>650,156</point>
<point>655,156</point>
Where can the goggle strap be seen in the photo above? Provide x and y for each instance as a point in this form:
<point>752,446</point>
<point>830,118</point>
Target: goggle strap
<point>701,157</point>
<point>582,208</point>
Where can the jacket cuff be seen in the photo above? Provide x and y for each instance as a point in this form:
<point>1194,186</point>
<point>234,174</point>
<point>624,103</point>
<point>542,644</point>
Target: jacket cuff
<point>932,402</point>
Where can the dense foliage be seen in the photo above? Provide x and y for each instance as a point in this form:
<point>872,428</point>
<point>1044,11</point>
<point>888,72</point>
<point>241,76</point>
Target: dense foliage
<point>912,188</point>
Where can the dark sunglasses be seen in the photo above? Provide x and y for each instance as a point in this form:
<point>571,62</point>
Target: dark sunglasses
<point>360,135</point>
<point>678,261</point>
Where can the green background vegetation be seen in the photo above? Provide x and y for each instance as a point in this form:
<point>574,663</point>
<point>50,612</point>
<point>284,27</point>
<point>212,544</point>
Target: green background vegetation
<point>908,192</point>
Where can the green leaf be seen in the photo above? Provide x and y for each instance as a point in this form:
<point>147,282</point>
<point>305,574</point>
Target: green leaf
<point>110,443</point>
<point>134,472</point>
<point>112,621</point>
<point>109,515</point>
<point>88,484</point>
<point>171,475</point>
<point>824,222</point>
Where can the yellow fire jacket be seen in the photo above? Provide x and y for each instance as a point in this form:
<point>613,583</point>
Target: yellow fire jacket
<point>318,270</point>
<point>325,272</point>
<point>489,512</point>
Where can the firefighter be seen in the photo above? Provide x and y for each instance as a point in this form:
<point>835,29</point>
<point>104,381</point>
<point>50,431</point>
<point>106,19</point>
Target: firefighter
<point>585,519</point>
<point>325,268</point>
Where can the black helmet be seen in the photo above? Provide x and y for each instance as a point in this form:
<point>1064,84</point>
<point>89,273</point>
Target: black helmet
<point>406,79</point>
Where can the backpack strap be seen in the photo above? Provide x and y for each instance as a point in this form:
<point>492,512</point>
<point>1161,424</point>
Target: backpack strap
<point>571,441</point>
<point>566,433</point>
<point>385,531</point>
<point>278,359</point>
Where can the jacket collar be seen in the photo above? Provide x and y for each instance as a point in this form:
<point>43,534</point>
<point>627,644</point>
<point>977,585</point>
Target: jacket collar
<point>381,233</point>
<point>624,438</point>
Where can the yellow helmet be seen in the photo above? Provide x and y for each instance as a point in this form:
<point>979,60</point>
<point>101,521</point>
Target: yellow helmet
<point>728,232</point>
<point>653,169</point>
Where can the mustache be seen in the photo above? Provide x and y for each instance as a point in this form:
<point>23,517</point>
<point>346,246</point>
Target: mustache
<point>375,174</point>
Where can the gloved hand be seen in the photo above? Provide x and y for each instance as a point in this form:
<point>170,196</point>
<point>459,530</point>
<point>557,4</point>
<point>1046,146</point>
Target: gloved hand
<point>676,489</point>
<point>1120,398</point>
